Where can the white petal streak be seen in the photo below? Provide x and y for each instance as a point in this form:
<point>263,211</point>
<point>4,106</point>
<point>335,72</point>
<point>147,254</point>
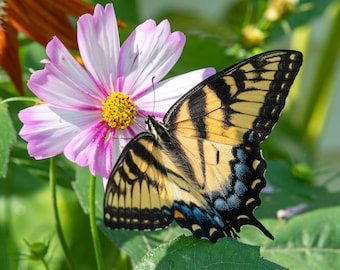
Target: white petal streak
<point>169,91</point>
<point>48,129</point>
<point>147,56</point>
<point>63,82</point>
<point>105,180</point>
<point>99,45</point>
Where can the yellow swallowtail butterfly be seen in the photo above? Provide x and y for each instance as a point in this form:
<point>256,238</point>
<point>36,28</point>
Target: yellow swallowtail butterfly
<point>203,165</point>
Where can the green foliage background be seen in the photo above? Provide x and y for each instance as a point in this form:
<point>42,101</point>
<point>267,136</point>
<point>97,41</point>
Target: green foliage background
<point>303,153</point>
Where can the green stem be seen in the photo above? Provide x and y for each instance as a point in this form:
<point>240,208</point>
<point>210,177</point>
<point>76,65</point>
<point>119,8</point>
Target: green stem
<point>56,216</point>
<point>321,94</point>
<point>33,99</point>
<point>93,223</point>
<point>45,264</point>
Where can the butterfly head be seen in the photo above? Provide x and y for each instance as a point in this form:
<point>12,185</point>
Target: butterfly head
<point>157,129</point>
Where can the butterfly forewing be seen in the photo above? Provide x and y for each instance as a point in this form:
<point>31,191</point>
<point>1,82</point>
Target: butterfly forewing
<point>239,104</point>
<point>138,194</point>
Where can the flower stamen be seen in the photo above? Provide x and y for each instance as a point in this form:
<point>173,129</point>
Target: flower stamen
<point>119,111</point>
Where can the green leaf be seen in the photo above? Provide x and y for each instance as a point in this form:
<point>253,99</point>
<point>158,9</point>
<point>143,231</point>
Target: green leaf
<point>192,253</point>
<point>308,241</point>
<point>137,243</point>
<point>39,168</point>
<point>81,187</point>
<point>7,138</point>
<point>290,191</point>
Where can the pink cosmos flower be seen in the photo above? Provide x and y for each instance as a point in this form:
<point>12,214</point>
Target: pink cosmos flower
<point>90,113</point>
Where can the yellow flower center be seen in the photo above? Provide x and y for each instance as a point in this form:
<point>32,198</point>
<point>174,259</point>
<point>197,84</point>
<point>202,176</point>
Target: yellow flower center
<point>119,110</point>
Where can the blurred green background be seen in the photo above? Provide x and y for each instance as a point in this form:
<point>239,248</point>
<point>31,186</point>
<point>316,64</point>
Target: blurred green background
<point>303,149</point>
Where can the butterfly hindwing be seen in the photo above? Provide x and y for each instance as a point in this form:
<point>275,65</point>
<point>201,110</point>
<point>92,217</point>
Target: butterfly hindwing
<point>230,179</point>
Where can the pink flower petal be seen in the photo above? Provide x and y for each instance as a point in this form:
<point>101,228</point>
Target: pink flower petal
<point>158,101</point>
<point>104,151</point>
<point>48,129</point>
<point>97,147</point>
<point>63,82</point>
<point>99,46</point>
<point>147,56</point>
<point>78,148</point>
<point>100,154</point>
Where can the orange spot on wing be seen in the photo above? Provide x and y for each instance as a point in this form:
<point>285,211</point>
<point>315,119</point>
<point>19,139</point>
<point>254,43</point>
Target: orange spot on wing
<point>178,214</point>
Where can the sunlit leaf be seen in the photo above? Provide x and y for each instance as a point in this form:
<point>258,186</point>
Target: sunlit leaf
<point>191,253</point>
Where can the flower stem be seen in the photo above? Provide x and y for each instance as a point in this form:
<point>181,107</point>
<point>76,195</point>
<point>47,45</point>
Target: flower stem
<point>93,223</point>
<point>56,216</point>
<point>32,99</point>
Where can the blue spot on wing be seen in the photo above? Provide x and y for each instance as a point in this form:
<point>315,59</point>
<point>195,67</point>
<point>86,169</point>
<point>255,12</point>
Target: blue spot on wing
<point>241,171</point>
<point>241,155</point>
